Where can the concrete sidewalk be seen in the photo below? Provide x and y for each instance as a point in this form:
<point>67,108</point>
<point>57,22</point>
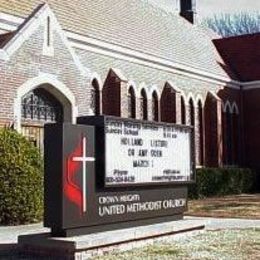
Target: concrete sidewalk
<point>227,223</point>
<point>9,235</point>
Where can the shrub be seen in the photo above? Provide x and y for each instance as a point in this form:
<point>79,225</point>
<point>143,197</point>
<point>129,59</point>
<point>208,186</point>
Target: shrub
<point>21,180</point>
<point>221,181</point>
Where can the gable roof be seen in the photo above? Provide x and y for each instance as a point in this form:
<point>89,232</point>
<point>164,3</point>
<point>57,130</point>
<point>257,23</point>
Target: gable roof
<point>11,42</point>
<point>134,24</point>
<point>242,53</point>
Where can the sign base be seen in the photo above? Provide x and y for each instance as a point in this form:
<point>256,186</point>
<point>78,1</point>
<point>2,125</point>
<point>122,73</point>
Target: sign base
<point>84,247</point>
<point>114,226</point>
<point>79,201</point>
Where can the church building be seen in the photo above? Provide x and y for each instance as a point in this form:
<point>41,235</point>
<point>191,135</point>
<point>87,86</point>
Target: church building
<point>63,59</point>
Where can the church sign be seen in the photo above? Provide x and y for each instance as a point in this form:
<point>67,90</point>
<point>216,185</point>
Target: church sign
<point>106,173</point>
<point>147,153</point>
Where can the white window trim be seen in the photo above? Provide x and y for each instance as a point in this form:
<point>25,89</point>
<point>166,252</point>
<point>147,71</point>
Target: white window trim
<point>36,82</point>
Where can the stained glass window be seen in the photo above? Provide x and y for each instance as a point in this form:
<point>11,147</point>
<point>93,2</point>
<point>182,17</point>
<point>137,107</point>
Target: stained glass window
<point>40,105</point>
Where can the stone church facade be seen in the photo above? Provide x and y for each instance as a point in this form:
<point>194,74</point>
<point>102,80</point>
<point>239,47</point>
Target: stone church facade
<point>60,60</point>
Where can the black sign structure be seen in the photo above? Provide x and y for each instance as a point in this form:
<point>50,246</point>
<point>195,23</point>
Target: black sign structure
<point>135,152</point>
<point>77,199</point>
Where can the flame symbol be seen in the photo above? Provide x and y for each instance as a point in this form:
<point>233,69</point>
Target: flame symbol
<point>71,190</point>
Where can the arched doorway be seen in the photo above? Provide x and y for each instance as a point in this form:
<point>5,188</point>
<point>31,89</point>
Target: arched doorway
<point>41,105</point>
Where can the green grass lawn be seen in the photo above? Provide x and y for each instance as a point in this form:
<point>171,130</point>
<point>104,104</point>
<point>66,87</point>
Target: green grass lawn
<point>224,245</point>
<point>236,206</point>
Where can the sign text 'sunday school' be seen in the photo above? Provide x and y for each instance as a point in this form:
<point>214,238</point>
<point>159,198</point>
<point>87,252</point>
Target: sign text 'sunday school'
<point>138,153</point>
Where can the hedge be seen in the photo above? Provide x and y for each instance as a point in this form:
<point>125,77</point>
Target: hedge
<point>21,180</point>
<point>221,181</point>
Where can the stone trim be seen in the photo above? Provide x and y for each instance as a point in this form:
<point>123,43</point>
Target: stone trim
<point>141,87</point>
<point>119,74</point>
<point>201,99</point>
<point>132,84</point>
<point>250,85</point>
<point>233,108</point>
<point>189,97</point>
<point>97,77</point>
<point>157,90</point>
<point>70,113</point>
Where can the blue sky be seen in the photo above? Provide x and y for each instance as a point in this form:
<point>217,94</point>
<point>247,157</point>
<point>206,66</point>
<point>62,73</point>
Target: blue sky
<point>210,7</point>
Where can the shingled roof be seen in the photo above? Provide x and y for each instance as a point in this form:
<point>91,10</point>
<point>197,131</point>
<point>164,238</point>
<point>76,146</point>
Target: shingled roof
<point>243,54</point>
<point>135,24</point>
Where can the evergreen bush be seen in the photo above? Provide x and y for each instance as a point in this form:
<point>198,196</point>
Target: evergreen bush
<point>21,180</point>
<point>221,181</point>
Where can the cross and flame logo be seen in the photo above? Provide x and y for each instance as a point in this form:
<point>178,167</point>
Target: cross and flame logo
<point>73,192</point>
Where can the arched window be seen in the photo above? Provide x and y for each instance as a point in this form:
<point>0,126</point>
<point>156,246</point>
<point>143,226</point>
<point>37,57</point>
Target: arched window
<point>236,135</point>
<point>231,134</point>
<point>191,112</point>
<point>131,103</point>
<point>228,137</point>
<point>155,106</point>
<point>183,111</point>
<point>95,97</point>
<point>40,106</point>
<point>143,105</point>
<point>201,134</point>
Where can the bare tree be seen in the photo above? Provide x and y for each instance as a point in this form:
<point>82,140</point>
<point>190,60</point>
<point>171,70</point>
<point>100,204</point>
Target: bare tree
<point>228,25</point>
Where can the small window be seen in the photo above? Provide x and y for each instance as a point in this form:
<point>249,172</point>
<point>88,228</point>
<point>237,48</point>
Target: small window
<point>131,103</point>
<point>155,105</point>
<point>143,105</point>
<point>191,113</point>
<point>95,97</point>
<point>183,111</point>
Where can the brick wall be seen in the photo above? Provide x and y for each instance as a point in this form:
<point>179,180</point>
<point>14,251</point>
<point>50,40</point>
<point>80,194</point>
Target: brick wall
<point>213,141</point>
<point>28,62</point>
<point>232,126</point>
<point>168,105</point>
<point>252,120</point>
<point>111,96</point>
